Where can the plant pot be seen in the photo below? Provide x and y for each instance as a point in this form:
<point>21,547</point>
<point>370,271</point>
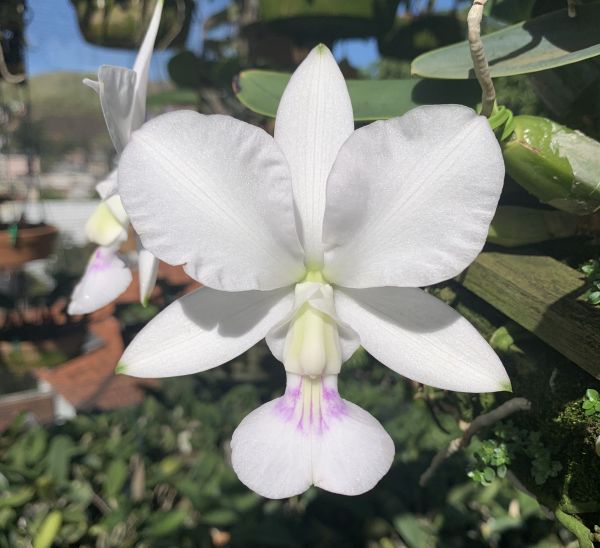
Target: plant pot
<point>31,243</point>
<point>40,345</point>
<point>123,23</point>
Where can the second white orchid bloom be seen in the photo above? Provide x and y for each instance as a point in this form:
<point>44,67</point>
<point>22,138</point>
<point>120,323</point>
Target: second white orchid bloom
<point>318,240</point>
<point>122,95</point>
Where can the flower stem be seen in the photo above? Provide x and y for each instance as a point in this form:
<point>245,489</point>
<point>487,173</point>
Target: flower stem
<point>480,63</point>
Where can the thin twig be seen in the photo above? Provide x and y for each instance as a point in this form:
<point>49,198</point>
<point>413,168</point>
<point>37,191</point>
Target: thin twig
<point>99,503</point>
<point>480,64</point>
<point>434,416</point>
<point>482,421</point>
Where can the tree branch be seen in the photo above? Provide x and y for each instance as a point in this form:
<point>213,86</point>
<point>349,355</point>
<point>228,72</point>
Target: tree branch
<point>482,421</point>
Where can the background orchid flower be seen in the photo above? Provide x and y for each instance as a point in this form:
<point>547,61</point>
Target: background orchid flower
<point>122,95</point>
<point>316,240</point>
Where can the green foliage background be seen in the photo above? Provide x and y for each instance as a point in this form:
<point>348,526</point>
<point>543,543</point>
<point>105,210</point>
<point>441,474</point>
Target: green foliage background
<point>158,474</point>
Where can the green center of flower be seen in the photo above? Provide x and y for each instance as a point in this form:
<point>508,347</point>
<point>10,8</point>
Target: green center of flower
<point>312,344</point>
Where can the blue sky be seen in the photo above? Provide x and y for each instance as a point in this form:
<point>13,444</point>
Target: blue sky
<point>55,43</point>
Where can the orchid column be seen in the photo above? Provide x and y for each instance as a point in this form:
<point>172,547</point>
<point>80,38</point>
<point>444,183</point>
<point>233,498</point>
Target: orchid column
<point>122,95</point>
<point>318,241</point>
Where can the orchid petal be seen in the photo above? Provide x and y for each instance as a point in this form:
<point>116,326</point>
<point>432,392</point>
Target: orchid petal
<point>422,338</point>
<point>142,66</point>
<point>116,208</point>
<point>213,192</point>
<point>123,91</point>
<point>202,330</point>
<point>310,436</point>
<point>94,85</point>
<point>116,88</point>
<point>314,118</point>
<point>105,278</point>
<point>148,270</point>
<point>418,211</point>
<point>108,186</point>
<point>103,228</point>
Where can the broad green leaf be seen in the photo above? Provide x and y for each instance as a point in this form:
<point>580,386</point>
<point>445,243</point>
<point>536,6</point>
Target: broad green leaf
<point>327,20</point>
<point>548,41</point>
<point>261,90</point>
<point>511,11</point>
<point>279,9</point>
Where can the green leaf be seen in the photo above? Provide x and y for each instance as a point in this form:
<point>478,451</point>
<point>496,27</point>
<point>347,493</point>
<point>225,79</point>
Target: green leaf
<point>592,394</point>
<point>14,499</point>
<point>221,517</point>
<point>48,530</point>
<point>594,297</point>
<point>588,404</point>
<point>59,456</point>
<point>164,524</point>
<point>115,478</point>
<point>327,20</point>
<point>261,90</point>
<point>489,474</point>
<point>414,532</point>
<point>510,10</point>
<point>282,9</point>
<point>548,41</point>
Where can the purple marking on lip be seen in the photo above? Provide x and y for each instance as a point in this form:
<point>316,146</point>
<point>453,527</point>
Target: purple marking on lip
<point>334,406</point>
<point>286,405</point>
<point>331,407</point>
<point>101,261</point>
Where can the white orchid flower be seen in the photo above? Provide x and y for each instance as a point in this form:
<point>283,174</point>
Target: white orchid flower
<point>104,268</point>
<point>122,95</point>
<point>316,240</point>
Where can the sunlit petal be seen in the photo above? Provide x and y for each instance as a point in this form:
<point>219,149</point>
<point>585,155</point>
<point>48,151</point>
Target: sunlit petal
<point>117,98</point>
<point>314,118</point>
<point>105,278</point>
<point>203,329</point>
<point>422,338</point>
<point>107,187</point>
<point>122,91</point>
<point>148,270</point>
<point>310,436</point>
<point>409,200</point>
<point>116,208</point>
<point>103,228</point>
<point>214,193</point>
<point>142,67</point>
